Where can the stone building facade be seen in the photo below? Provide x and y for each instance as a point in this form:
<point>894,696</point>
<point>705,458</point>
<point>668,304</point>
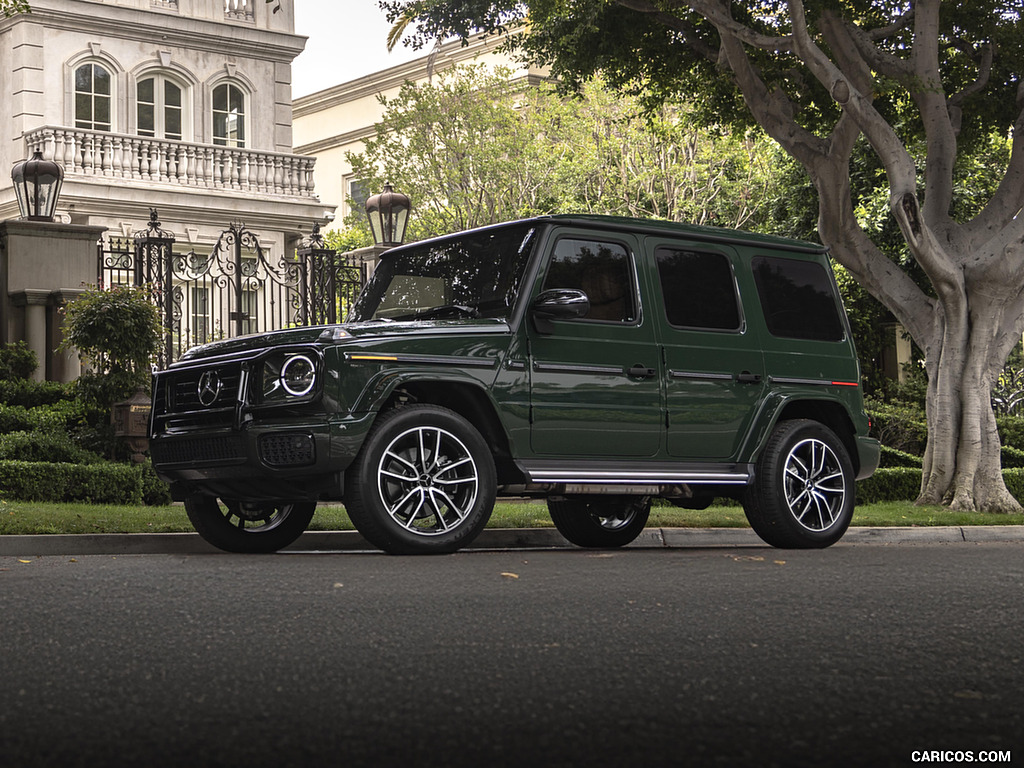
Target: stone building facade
<point>179,105</point>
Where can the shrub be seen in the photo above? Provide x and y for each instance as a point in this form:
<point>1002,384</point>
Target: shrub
<point>891,484</point>
<point>899,426</point>
<point>119,332</point>
<point>105,483</point>
<point>34,393</point>
<point>155,492</point>
<point>1012,457</point>
<point>892,457</point>
<point>1011,431</point>
<point>44,446</point>
<point>17,361</point>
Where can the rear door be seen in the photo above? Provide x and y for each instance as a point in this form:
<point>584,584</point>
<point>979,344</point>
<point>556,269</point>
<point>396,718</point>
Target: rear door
<point>714,367</point>
<point>595,385</point>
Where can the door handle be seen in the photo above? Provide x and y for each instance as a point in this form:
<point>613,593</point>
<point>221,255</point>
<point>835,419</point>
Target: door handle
<point>748,378</point>
<point>641,372</point>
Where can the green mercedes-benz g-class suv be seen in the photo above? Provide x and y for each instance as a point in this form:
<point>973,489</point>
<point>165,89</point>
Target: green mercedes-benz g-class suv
<point>596,362</point>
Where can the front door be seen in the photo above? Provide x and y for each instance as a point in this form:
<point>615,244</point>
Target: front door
<point>595,380</point>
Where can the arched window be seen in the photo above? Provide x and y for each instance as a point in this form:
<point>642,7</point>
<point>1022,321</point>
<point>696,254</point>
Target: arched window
<point>228,115</point>
<point>159,108</point>
<point>93,92</point>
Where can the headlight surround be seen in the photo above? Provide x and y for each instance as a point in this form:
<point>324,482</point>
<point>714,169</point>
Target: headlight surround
<point>289,376</point>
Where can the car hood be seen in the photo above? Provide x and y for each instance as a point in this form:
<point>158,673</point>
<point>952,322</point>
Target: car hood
<point>344,333</point>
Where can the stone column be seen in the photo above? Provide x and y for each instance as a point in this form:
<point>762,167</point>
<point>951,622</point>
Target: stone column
<point>43,264</point>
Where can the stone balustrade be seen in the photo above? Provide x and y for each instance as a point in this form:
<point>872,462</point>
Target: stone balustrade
<point>103,155</point>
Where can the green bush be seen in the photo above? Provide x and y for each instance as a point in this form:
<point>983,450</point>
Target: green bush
<point>1014,479</point>
<point>902,427</point>
<point>32,394</point>
<point>106,483</point>
<point>1012,457</point>
<point>17,361</point>
<point>892,457</point>
<point>890,484</point>
<point>44,446</point>
<point>118,331</point>
<point>155,492</point>
<point>1011,431</point>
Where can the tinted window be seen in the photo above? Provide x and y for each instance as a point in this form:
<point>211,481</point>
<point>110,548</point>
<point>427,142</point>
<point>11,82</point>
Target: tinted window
<point>599,269</point>
<point>698,288</point>
<point>472,275</point>
<point>797,298</point>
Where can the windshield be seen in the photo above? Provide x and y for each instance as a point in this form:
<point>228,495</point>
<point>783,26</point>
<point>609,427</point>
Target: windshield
<point>471,275</point>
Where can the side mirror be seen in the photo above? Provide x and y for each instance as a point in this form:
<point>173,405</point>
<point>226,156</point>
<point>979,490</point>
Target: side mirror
<point>558,304</point>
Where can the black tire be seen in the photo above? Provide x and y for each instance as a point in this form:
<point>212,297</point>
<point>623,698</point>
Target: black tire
<point>803,493</point>
<point>423,482</point>
<point>600,521</point>
<point>249,528</point>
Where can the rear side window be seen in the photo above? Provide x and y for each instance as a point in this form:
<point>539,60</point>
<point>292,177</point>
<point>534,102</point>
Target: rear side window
<point>698,289</point>
<point>797,298</point>
<point>600,269</point>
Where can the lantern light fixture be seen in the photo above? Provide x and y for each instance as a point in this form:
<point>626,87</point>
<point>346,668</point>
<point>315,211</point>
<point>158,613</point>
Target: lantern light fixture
<point>388,212</point>
<point>37,184</point>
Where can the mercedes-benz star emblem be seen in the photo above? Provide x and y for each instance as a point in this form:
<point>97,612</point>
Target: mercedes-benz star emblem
<point>209,388</point>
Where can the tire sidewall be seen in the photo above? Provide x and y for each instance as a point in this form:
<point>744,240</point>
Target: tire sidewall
<point>362,495</point>
<point>215,528</point>
<point>769,512</point>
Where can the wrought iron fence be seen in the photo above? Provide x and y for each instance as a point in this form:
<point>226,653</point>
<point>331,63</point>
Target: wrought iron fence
<point>236,289</point>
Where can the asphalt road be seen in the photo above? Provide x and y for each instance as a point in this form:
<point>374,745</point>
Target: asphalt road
<point>853,656</point>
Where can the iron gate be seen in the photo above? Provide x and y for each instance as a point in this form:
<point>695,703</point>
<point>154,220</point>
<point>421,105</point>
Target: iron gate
<point>234,290</point>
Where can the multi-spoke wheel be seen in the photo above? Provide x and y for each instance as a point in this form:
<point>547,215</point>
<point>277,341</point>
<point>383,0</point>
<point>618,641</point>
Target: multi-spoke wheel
<point>237,526</point>
<point>802,496</point>
<point>600,521</point>
<point>423,483</point>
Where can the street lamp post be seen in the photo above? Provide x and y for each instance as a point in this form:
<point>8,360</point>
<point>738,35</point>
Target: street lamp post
<point>388,213</point>
<point>37,184</point>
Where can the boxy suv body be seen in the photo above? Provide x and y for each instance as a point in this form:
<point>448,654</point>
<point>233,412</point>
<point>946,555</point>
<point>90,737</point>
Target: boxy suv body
<point>595,362</point>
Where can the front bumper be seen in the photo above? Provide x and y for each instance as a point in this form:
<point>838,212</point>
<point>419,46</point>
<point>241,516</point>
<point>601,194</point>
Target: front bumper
<point>282,460</point>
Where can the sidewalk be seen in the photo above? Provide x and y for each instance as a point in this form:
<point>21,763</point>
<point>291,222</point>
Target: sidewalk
<point>492,538</point>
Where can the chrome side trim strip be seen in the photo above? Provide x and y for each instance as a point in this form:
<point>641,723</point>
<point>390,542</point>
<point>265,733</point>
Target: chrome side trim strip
<point>694,375</point>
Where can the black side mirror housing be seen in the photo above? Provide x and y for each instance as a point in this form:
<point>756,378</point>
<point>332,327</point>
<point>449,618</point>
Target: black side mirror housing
<point>558,304</point>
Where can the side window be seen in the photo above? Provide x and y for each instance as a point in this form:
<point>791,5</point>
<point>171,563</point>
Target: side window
<point>602,270</point>
<point>92,97</point>
<point>798,299</point>
<point>228,116</point>
<point>698,288</point>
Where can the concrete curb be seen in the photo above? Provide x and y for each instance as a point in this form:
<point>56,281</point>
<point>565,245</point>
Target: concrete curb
<point>494,538</point>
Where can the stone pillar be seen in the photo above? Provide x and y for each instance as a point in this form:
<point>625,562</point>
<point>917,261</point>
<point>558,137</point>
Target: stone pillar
<point>42,265</point>
<point>33,303</point>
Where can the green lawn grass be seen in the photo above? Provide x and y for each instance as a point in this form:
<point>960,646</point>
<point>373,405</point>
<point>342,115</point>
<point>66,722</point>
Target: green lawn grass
<point>18,517</point>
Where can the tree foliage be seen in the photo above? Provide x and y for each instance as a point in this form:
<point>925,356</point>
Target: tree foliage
<point>475,147</point>
<point>11,7</point>
<point>918,85</point>
<point>117,331</point>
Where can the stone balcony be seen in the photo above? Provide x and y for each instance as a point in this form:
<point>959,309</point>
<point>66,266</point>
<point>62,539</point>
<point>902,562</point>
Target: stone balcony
<point>113,157</point>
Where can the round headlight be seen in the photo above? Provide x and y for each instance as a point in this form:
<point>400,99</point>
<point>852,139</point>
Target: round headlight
<point>298,375</point>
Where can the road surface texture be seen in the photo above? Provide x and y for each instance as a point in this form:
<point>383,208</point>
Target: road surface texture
<point>852,656</point>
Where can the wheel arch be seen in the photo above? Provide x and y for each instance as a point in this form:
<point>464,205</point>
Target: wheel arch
<point>469,400</point>
<point>830,413</point>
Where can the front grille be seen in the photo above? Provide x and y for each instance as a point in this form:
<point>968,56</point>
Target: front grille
<point>287,450</point>
<point>221,449</point>
<point>199,397</point>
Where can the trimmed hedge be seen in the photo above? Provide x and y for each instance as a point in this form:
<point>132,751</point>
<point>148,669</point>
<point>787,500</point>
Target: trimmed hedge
<point>904,484</point>
<point>892,457</point>
<point>34,393</point>
<point>45,446</point>
<point>106,483</point>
